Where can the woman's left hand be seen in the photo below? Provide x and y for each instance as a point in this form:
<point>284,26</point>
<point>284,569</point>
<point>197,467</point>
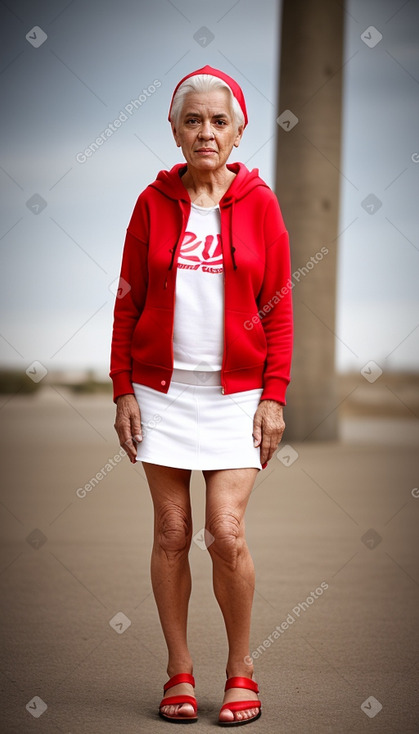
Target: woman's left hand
<point>268,427</point>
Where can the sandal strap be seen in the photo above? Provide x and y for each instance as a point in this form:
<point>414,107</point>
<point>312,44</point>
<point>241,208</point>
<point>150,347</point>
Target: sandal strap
<point>239,681</point>
<point>179,678</point>
<point>172,700</point>
<point>241,705</point>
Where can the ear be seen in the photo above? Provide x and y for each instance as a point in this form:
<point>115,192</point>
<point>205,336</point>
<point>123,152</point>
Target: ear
<point>175,135</point>
<point>238,136</point>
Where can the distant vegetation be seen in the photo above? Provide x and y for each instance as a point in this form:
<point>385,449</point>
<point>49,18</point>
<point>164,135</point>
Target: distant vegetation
<point>13,381</point>
<point>89,386</point>
<point>393,394</point>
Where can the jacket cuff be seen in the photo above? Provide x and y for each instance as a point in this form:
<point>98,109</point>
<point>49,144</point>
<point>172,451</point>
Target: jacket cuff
<point>275,389</point>
<point>122,384</point>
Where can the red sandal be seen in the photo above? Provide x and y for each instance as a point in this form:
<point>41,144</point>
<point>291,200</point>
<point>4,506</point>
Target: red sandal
<point>178,700</point>
<point>241,682</point>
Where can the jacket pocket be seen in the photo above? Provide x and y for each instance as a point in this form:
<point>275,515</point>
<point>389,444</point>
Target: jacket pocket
<point>245,340</point>
<point>152,338</point>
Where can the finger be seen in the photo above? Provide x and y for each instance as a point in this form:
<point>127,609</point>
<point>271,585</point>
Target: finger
<point>127,442</point>
<point>275,440</point>
<point>265,448</point>
<point>281,433</point>
<point>130,447</point>
<point>272,448</point>
<point>126,439</point>
<point>278,437</point>
<point>136,429</point>
<point>270,441</point>
<point>257,430</point>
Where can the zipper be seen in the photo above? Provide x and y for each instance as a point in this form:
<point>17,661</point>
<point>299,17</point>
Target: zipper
<point>175,258</point>
<point>224,311</point>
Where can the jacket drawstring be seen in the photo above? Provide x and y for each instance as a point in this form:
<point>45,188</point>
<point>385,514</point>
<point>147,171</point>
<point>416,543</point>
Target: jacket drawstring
<point>173,251</point>
<point>232,248</point>
<point>172,259</point>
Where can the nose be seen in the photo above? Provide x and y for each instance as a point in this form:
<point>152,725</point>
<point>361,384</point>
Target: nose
<point>206,132</point>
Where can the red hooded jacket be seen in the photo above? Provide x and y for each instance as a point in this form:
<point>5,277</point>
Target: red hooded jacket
<point>257,296</point>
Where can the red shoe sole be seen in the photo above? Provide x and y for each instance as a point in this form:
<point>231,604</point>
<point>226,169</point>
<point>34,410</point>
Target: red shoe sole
<point>178,720</point>
<point>240,723</point>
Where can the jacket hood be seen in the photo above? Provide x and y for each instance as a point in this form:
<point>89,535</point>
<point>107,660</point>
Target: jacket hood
<point>169,183</point>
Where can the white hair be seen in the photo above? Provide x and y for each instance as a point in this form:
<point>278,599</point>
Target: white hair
<point>203,83</point>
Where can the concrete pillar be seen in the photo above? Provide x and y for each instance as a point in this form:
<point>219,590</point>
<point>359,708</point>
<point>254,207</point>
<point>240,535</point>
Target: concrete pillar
<point>307,185</point>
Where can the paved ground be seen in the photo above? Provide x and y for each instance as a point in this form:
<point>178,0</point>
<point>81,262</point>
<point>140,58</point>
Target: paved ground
<point>340,519</point>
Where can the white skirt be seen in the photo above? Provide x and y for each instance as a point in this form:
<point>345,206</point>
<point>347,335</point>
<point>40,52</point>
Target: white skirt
<point>195,426</point>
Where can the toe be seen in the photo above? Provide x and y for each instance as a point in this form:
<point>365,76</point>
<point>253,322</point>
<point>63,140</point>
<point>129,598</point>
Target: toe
<point>227,715</point>
<point>246,714</point>
<point>169,710</point>
<point>186,709</point>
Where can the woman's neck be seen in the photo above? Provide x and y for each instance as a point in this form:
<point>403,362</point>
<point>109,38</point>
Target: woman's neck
<point>206,188</point>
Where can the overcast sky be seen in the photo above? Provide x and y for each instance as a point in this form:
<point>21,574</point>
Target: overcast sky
<point>64,214</point>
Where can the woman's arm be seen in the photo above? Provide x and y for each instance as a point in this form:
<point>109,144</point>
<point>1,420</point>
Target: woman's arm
<point>129,304</point>
<point>275,302</point>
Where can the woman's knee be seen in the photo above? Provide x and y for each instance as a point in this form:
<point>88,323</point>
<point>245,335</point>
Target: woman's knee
<point>173,529</point>
<point>227,539</point>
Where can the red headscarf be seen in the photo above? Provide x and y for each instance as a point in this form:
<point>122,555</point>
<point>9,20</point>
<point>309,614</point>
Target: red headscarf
<point>235,88</point>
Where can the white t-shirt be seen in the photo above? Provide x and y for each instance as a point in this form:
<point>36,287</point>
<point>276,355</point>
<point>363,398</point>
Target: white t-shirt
<point>198,333</point>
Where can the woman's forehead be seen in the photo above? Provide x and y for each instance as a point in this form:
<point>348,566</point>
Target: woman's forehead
<point>215,102</point>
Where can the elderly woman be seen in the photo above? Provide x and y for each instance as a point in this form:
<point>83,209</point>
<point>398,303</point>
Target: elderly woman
<point>200,362</point>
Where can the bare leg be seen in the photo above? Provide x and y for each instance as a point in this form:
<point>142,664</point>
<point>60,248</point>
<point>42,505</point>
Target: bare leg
<point>228,493</point>
<point>170,571</point>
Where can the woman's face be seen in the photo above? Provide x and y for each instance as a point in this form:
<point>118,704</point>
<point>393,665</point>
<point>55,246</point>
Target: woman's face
<point>207,130</point>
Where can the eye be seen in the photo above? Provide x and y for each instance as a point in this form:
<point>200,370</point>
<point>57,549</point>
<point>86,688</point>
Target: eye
<point>191,121</point>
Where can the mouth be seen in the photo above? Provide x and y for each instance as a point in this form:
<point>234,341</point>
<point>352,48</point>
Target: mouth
<point>205,150</point>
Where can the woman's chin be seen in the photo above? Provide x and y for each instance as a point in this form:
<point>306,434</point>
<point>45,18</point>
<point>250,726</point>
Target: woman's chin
<point>205,162</point>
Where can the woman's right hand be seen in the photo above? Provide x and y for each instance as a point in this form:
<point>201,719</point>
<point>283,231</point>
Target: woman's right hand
<point>128,424</point>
